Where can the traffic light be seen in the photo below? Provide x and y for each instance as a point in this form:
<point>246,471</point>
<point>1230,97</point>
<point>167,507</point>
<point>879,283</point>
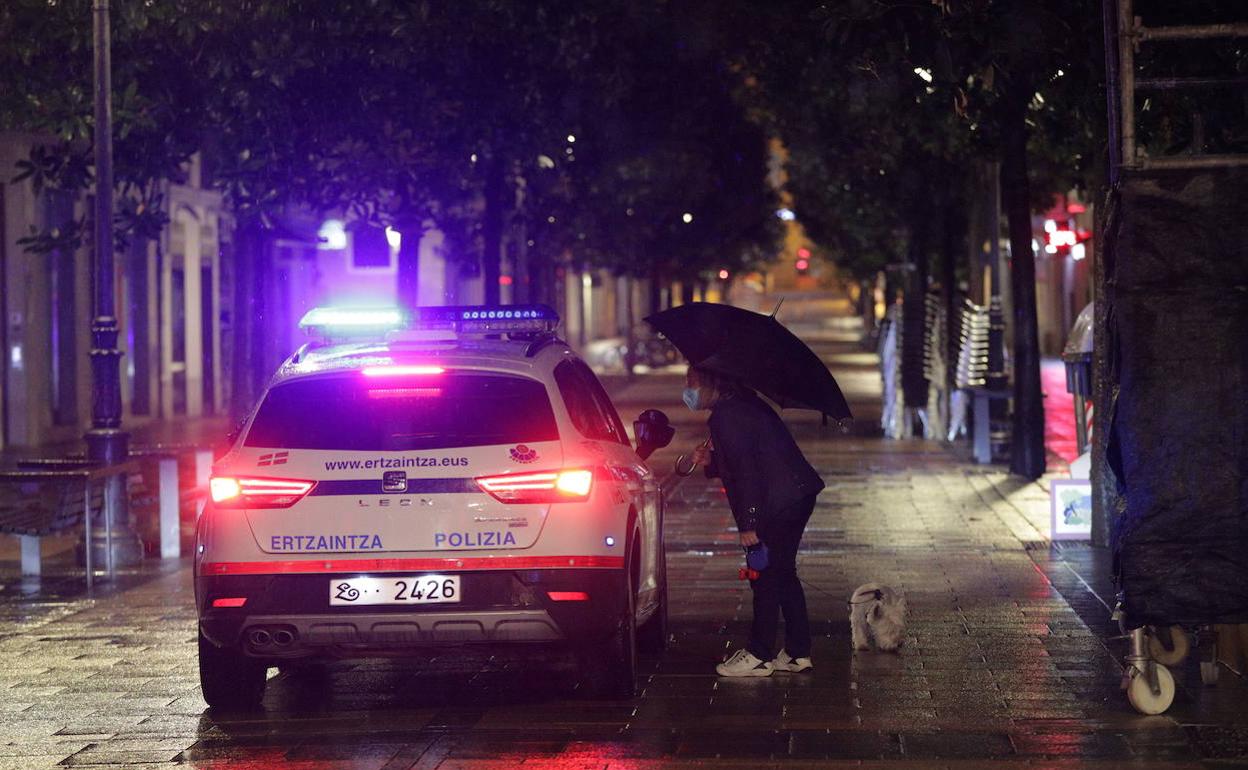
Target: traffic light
<point>803,261</point>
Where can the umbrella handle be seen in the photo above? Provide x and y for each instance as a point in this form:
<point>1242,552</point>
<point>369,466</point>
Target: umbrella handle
<point>680,467</point>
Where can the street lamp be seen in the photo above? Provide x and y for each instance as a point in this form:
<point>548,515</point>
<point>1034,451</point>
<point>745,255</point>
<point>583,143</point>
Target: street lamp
<point>107,443</point>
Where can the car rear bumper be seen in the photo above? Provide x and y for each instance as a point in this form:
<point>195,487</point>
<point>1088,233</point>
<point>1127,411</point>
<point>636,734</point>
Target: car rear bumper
<point>289,616</point>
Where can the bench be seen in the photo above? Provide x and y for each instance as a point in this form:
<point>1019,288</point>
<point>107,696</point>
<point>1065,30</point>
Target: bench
<point>56,496</point>
<point>158,504</point>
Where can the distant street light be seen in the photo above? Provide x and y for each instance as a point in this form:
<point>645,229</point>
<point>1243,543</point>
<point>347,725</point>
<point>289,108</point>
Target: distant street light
<point>686,217</point>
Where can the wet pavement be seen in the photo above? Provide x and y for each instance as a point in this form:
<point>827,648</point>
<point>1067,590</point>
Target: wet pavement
<point>1006,662</point>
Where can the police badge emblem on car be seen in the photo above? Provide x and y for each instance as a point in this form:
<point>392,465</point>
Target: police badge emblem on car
<point>394,481</point>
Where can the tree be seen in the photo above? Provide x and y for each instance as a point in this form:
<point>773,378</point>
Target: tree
<point>979,65</point>
<point>156,103</point>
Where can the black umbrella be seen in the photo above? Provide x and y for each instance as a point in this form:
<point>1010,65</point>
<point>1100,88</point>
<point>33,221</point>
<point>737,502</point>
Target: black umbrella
<point>754,349</point>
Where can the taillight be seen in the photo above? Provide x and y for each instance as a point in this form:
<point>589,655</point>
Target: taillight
<point>240,492</point>
<point>540,486</point>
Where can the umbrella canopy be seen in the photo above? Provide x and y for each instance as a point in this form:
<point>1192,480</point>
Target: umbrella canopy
<point>755,350</point>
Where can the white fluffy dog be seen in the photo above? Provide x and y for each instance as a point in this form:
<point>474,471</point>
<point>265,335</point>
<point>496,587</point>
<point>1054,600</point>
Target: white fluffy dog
<point>877,614</point>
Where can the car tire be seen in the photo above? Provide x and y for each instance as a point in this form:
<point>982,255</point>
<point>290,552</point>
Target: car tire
<point>229,680</point>
<point>611,669</point>
<point>652,636</point>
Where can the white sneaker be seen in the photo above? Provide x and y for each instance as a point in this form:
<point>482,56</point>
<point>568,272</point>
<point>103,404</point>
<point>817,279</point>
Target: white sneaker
<point>793,665</point>
<point>742,663</point>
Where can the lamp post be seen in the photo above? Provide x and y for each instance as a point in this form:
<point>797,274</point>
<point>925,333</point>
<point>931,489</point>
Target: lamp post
<point>107,444</point>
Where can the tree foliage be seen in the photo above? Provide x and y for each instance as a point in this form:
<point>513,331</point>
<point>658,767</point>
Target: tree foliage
<point>409,113</point>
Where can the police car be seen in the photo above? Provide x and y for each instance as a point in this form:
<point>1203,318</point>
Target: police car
<point>456,478</point>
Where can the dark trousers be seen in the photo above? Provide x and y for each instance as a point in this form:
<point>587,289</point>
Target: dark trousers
<point>777,589</point>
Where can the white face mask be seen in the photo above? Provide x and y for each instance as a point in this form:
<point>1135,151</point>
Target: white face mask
<point>692,398</point>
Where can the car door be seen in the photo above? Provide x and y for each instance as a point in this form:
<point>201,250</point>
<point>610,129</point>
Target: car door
<point>636,478</point>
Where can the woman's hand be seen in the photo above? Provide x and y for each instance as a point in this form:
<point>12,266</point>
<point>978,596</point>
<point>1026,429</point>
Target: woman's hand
<point>702,453</point>
<point>749,539</point>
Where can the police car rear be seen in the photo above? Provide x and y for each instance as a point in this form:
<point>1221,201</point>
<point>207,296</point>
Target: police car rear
<point>387,496</point>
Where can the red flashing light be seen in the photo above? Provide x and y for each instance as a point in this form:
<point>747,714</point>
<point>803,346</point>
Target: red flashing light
<point>400,371</point>
<point>803,252</point>
<point>568,596</point>
<point>1076,208</point>
<point>802,264</point>
<point>504,280</point>
<point>237,601</point>
<point>539,486</point>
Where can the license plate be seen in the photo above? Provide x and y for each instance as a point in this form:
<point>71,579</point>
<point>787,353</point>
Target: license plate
<point>399,589</point>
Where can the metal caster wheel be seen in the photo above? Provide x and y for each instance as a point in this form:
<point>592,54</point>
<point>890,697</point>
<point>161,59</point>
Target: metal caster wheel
<point>1180,645</point>
<point>1142,695</point>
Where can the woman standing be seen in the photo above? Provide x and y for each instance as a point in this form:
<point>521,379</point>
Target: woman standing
<point>771,490</point>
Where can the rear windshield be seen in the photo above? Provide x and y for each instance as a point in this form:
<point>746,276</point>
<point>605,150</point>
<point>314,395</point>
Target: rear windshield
<point>447,410</point>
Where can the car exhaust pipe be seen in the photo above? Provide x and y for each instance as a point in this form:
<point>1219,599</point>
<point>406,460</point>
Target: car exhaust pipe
<point>283,637</point>
<point>260,638</point>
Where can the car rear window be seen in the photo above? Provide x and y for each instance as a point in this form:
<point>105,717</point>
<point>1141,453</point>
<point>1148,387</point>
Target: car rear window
<point>447,410</point>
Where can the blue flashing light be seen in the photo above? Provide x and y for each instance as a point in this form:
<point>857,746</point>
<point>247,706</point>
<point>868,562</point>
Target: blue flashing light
<point>340,320</point>
<point>487,320</point>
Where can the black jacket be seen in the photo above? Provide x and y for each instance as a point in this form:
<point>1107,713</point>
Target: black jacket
<point>763,470</point>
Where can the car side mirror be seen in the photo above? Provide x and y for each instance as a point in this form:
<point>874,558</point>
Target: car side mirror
<point>653,431</point>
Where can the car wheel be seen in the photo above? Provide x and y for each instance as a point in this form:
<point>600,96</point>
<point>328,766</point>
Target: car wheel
<point>652,636</point>
<point>611,669</point>
<point>229,680</point>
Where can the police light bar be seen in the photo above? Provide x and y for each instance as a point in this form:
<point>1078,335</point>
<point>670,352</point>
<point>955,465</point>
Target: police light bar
<point>488,319</point>
<point>347,323</point>
<point>352,322</point>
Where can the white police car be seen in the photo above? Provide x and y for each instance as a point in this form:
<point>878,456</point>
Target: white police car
<point>460,479</point>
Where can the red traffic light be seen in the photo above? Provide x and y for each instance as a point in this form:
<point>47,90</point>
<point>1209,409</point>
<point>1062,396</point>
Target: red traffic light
<point>803,253</point>
<point>803,265</point>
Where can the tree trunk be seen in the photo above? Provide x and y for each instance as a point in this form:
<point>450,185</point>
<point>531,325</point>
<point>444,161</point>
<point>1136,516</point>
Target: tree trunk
<point>1027,439</point>
<point>409,264</point>
<point>655,292</point>
<point>492,228</point>
<point>866,309</point>
<point>248,245</point>
<point>955,226</point>
<point>540,278</point>
<point>522,288</point>
<point>914,318</point>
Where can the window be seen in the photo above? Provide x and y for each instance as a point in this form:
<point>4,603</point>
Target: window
<point>587,403</point>
<point>450,410</point>
<point>604,403</point>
